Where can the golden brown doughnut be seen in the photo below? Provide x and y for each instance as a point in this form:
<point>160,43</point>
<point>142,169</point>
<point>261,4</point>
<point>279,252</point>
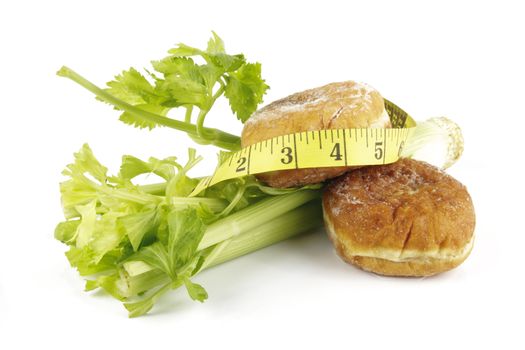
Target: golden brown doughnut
<point>403,219</point>
<point>333,106</point>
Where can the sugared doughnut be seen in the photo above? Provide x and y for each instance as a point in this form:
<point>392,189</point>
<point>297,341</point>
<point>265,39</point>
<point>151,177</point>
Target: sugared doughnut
<point>403,219</point>
<point>333,106</point>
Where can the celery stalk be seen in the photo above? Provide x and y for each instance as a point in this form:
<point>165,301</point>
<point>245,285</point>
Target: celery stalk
<point>139,277</point>
<point>254,216</point>
<point>437,140</point>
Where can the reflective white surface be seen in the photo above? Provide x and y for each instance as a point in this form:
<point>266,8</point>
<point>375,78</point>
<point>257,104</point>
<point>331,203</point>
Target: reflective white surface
<point>461,60</point>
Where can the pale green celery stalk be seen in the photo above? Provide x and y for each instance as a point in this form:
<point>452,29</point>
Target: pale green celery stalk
<point>433,136</point>
<point>132,282</point>
<point>244,221</point>
<point>213,136</point>
<point>157,189</point>
<point>254,215</point>
<point>140,277</point>
<point>214,204</point>
<point>141,198</point>
<point>304,218</point>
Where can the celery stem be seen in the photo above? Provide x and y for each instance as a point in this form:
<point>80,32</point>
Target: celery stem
<point>217,137</point>
<point>302,219</point>
<point>157,189</point>
<point>296,221</point>
<point>254,215</point>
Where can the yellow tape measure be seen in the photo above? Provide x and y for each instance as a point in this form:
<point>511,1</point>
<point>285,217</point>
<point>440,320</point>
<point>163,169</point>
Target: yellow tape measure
<point>318,149</point>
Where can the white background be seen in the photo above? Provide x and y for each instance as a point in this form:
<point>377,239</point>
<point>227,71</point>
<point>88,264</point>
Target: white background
<point>459,59</point>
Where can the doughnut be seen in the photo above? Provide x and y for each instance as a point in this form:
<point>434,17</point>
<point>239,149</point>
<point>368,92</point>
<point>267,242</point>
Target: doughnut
<point>333,106</point>
<point>408,218</point>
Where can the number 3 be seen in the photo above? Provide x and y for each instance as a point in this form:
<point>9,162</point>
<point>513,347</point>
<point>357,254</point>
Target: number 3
<point>287,151</point>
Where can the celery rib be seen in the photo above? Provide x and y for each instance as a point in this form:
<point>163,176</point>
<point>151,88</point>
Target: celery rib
<point>292,223</point>
<point>254,216</point>
<point>216,137</point>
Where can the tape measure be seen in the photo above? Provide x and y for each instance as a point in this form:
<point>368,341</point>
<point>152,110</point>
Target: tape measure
<point>318,149</point>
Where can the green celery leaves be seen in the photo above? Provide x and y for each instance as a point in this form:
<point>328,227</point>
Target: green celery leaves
<point>180,81</point>
<point>111,220</point>
<point>138,242</point>
<point>245,90</point>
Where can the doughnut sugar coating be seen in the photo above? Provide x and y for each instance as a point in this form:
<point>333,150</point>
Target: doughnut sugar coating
<point>402,219</point>
<point>333,106</point>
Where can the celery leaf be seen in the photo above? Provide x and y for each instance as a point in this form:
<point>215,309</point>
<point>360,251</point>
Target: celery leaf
<point>141,122</point>
<point>132,167</point>
<point>132,87</point>
<point>195,291</point>
<point>137,225</point>
<point>245,89</point>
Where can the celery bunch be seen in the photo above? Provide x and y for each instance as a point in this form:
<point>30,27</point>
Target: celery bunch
<point>136,241</point>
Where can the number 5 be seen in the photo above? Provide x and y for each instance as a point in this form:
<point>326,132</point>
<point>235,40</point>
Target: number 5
<point>378,153</point>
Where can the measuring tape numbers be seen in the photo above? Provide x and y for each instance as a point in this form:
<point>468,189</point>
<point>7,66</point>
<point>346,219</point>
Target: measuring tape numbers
<point>318,149</point>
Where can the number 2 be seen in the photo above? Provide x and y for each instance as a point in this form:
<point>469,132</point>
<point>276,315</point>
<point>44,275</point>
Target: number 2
<point>241,164</point>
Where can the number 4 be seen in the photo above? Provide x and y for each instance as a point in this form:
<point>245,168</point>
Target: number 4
<point>336,152</point>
